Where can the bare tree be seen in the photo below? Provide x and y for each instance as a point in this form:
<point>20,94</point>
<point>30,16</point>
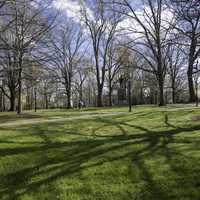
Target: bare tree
<point>188,30</point>
<point>32,76</point>
<point>149,36</point>
<point>9,76</point>
<point>176,68</point>
<point>28,27</point>
<point>66,52</point>
<point>102,27</point>
<point>82,73</point>
<point>115,55</point>
<point>196,81</point>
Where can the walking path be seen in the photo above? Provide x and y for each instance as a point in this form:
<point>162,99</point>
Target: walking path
<point>59,119</point>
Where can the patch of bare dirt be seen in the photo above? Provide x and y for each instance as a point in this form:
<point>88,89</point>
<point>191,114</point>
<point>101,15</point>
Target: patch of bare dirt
<point>196,118</point>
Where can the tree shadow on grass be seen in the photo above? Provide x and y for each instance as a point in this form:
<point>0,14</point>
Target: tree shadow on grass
<point>50,161</point>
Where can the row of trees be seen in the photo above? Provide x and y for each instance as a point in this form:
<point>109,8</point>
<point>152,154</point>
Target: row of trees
<point>143,49</point>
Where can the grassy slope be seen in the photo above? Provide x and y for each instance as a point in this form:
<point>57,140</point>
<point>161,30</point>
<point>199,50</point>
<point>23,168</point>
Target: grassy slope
<point>144,155</point>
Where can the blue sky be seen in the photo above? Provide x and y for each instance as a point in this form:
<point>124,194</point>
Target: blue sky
<point>71,8</point>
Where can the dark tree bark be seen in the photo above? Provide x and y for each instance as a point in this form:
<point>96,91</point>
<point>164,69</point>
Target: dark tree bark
<point>197,98</point>
<point>173,93</point>
<point>19,105</point>
<point>69,99</point>
<point>161,92</point>
<point>99,96</point>
<point>129,96</point>
<point>110,93</point>
<point>12,102</point>
<point>46,101</point>
<point>35,99</point>
<point>192,97</point>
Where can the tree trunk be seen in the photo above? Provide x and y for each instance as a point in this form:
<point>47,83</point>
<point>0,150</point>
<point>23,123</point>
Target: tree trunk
<point>68,90</point>
<point>46,101</point>
<point>99,96</point>
<point>191,60</point>
<point>196,88</point>
<point>129,96</point>
<point>1,101</point>
<point>69,99</point>
<point>173,93</point>
<point>173,96</point>
<point>141,96</point>
<point>110,98</point>
<point>19,106</point>
<point>12,102</point>
<point>99,85</point>
<point>80,96</point>
<point>110,94</point>
<point>81,92</point>
<point>161,92</point>
<point>35,99</point>
<point>192,97</point>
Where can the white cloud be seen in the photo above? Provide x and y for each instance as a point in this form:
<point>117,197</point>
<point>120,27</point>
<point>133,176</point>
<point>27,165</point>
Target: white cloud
<point>71,8</point>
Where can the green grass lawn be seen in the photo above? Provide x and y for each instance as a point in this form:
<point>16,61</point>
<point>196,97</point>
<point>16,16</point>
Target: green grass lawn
<point>150,154</point>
